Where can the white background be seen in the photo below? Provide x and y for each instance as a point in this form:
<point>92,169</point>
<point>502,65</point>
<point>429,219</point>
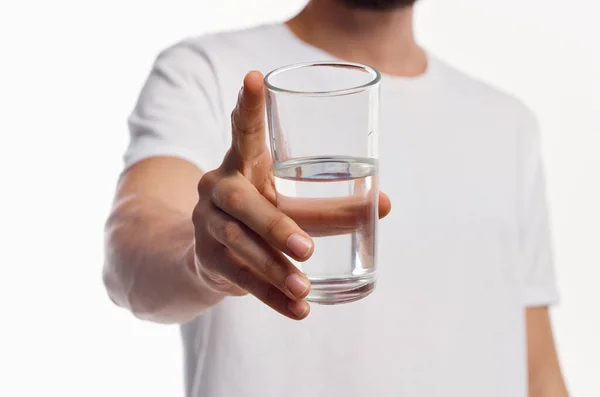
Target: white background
<point>70,72</point>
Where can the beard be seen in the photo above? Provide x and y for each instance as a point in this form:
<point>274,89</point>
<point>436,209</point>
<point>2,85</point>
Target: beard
<point>377,4</point>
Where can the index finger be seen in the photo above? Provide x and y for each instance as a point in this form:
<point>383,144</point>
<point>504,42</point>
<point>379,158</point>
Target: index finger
<point>237,197</point>
<point>248,119</point>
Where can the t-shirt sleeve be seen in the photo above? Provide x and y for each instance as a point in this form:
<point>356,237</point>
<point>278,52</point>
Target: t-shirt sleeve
<point>178,112</point>
<point>535,236</point>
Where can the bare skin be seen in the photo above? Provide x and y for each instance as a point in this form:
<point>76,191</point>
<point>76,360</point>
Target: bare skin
<point>545,375</point>
<point>384,40</point>
<point>176,247</point>
<point>168,266</point>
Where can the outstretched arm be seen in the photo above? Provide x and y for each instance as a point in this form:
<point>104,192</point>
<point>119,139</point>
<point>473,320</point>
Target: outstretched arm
<point>149,267</point>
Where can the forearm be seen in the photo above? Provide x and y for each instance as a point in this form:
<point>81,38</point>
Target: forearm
<point>547,388</point>
<point>548,383</point>
<point>545,375</point>
<point>149,266</point>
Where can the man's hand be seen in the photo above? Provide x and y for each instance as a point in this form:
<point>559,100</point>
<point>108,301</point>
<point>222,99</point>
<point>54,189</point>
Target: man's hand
<point>240,234</point>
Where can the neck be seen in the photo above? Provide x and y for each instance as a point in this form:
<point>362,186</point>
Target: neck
<point>382,39</point>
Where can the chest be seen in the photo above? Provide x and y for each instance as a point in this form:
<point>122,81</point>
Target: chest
<point>452,180</point>
<point>449,169</point>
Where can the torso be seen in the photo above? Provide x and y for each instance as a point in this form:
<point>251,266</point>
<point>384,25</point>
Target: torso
<point>446,318</point>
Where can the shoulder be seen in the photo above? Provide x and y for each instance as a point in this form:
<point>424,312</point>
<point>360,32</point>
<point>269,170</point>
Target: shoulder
<point>219,59</point>
<point>480,96</point>
<point>210,45</point>
<point>502,117</point>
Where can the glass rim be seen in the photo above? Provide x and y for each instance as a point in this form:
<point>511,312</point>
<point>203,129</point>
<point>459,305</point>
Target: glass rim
<point>375,74</point>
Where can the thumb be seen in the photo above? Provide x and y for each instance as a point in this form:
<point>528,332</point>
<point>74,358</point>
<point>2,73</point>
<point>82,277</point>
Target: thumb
<point>248,120</point>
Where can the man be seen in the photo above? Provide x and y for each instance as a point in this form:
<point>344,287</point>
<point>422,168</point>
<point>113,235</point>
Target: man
<point>465,261</point>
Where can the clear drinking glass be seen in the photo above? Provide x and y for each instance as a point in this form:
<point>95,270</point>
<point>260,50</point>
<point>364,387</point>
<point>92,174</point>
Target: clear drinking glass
<point>323,125</point>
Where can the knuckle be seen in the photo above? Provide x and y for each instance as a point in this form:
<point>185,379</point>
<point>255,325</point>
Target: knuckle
<point>206,183</point>
<point>252,128</point>
<point>269,293</point>
<point>219,189</point>
<point>210,261</point>
<point>196,215</point>
<point>267,265</point>
<point>273,297</point>
<point>234,200</point>
<point>229,195</point>
<point>242,278</point>
<point>274,223</point>
<point>244,122</point>
<point>231,232</point>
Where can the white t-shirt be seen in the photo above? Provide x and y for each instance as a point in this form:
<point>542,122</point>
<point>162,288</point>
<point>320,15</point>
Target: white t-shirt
<point>465,249</point>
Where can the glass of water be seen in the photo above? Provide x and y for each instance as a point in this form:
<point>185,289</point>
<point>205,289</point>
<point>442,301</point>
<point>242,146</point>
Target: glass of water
<point>323,127</point>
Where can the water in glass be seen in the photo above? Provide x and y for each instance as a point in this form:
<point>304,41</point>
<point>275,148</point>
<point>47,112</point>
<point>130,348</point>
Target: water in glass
<point>342,266</point>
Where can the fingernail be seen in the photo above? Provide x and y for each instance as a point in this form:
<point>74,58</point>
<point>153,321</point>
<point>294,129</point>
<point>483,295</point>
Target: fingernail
<point>299,245</point>
<point>297,285</point>
<point>298,308</point>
